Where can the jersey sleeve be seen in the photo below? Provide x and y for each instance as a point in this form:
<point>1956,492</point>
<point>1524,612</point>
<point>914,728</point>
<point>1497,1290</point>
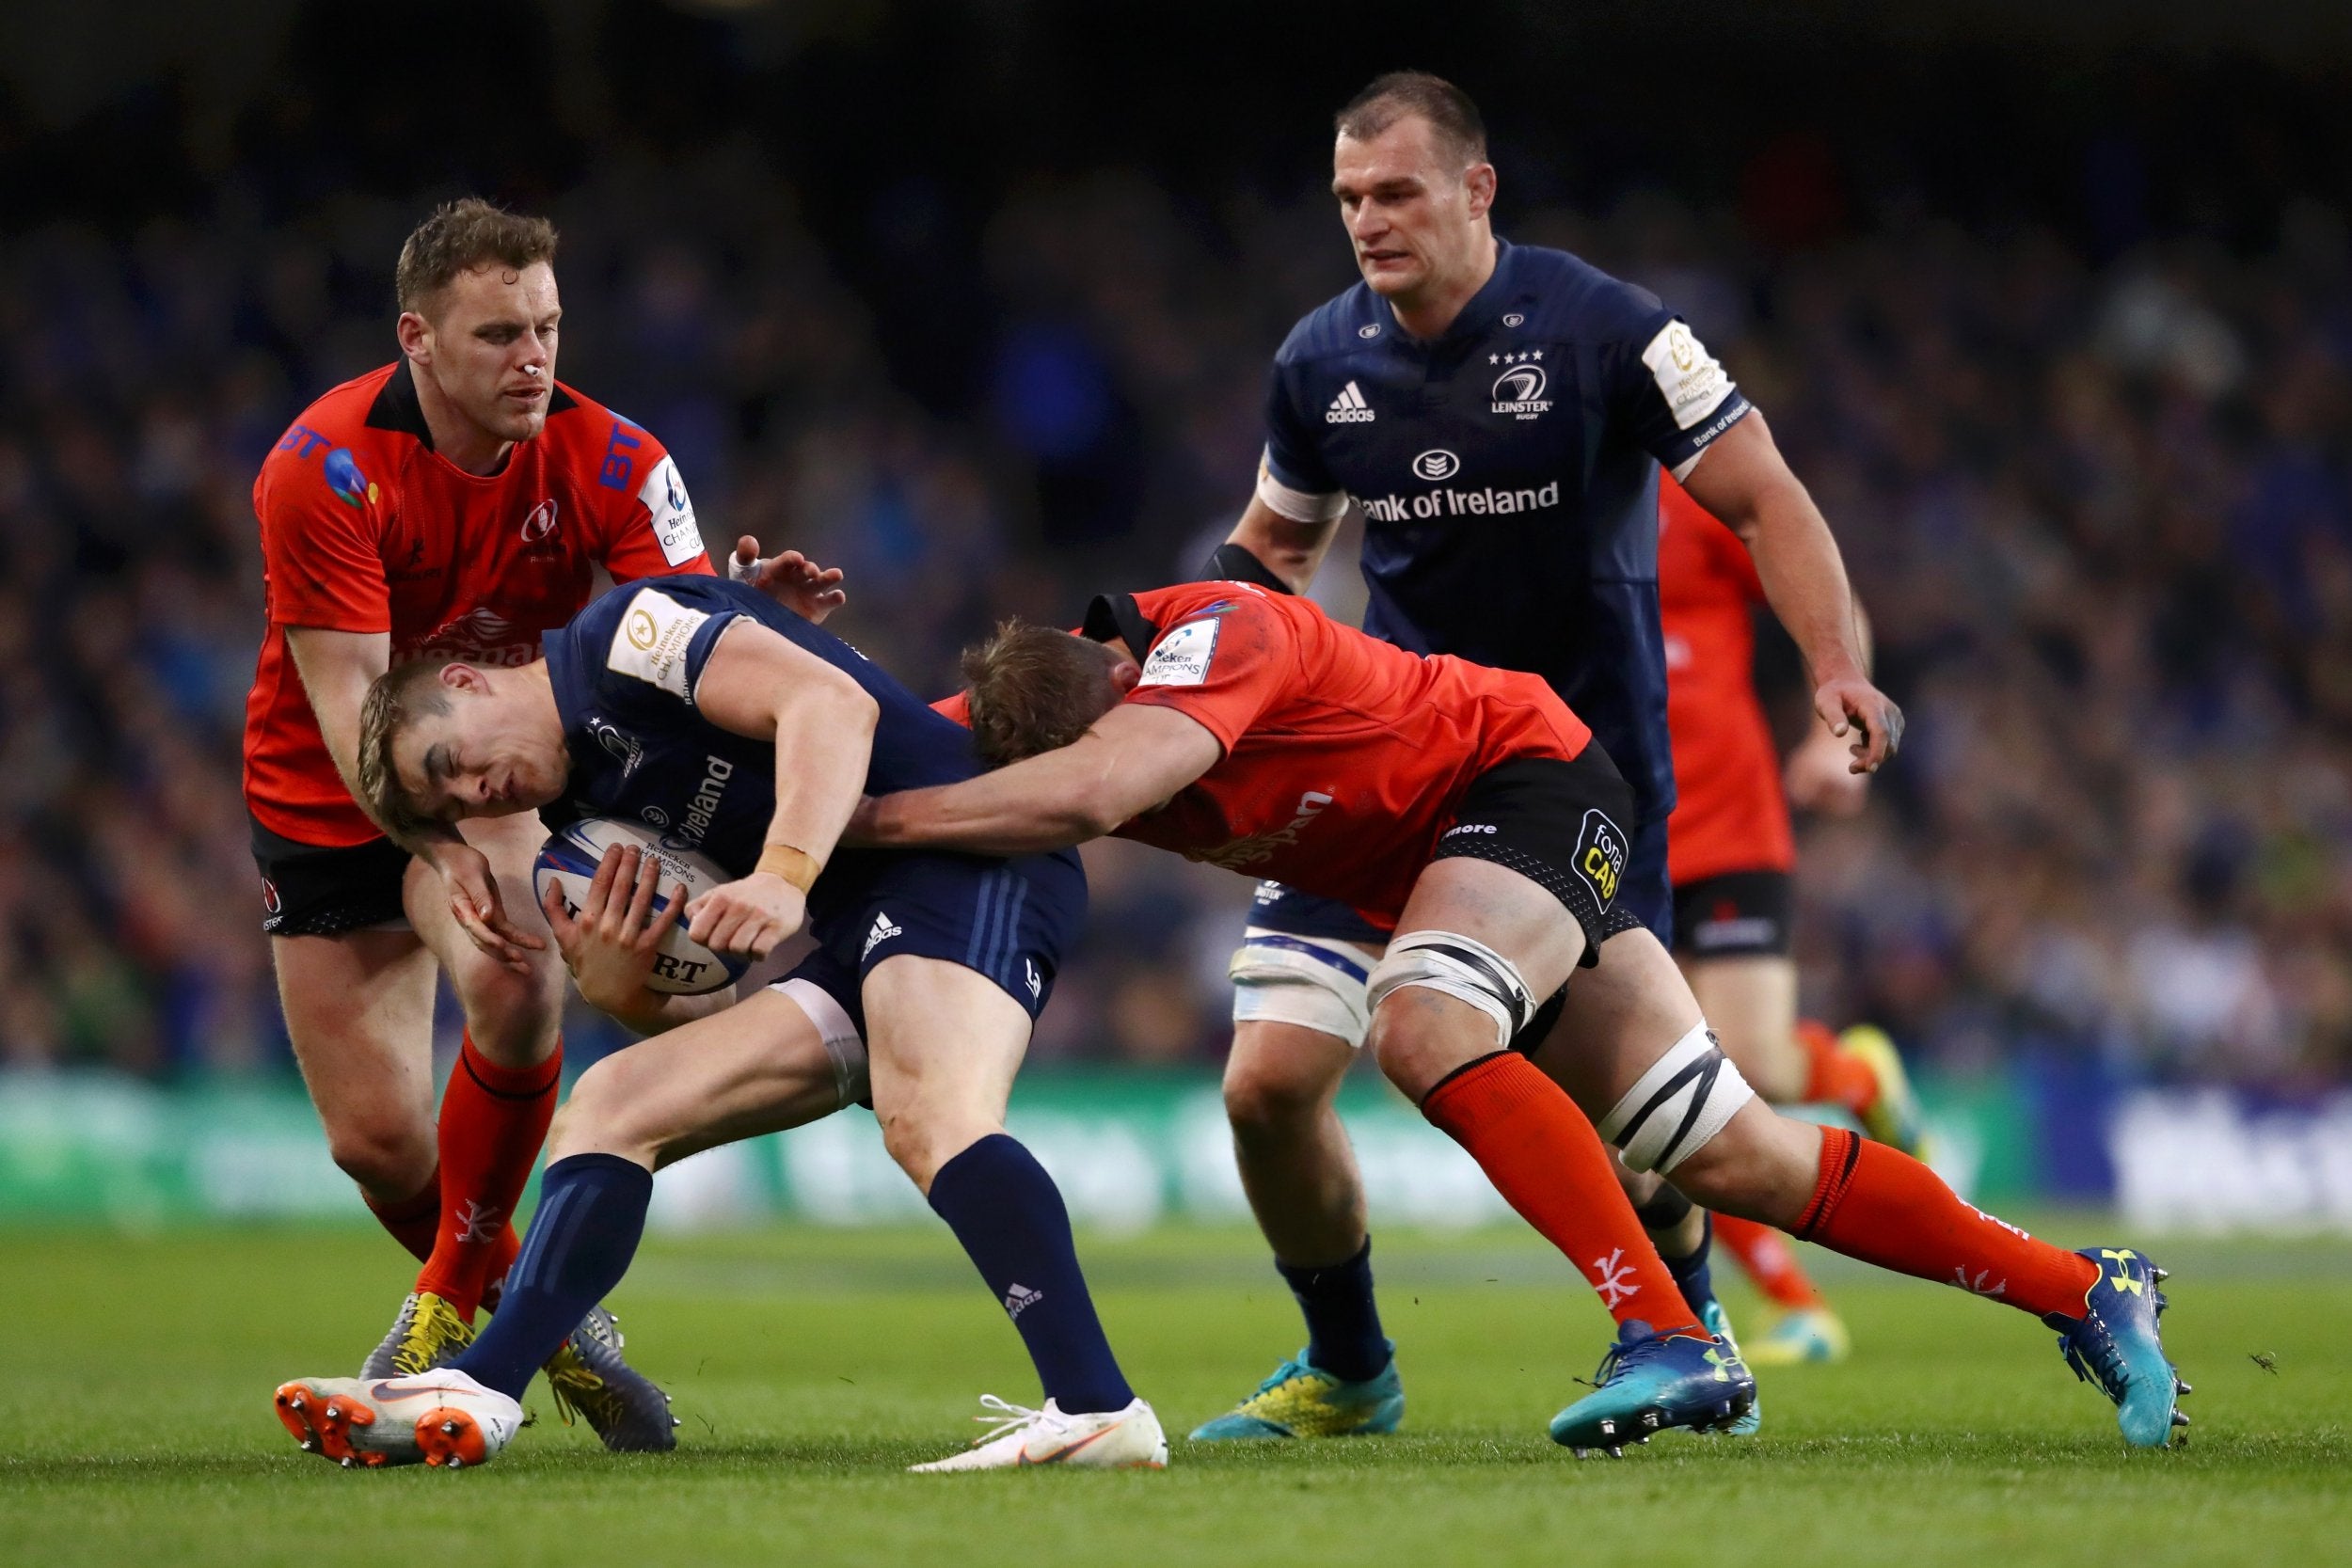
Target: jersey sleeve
<point>1664,389</point>
<point>647,648</point>
<point>958,708</point>
<point>320,530</point>
<point>1292,477</point>
<point>650,528</point>
<point>1222,665</point>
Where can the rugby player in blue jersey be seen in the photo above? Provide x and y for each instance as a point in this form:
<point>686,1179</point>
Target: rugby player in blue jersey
<point>1499,415</point>
<point>702,706</point>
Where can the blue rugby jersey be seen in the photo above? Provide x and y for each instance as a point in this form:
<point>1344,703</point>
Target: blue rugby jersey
<point>624,672</point>
<point>1508,472</point>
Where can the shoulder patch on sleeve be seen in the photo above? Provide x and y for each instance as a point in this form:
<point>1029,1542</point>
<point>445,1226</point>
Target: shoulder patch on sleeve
<point>1181,657</point>
<point>664,494</point>
<point>1689,377</point>
<point>650,643</point>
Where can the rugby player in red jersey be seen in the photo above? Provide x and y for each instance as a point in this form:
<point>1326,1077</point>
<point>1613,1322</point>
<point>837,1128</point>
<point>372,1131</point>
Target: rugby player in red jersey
<point>1468,808</point>
<point>453,503</point>
<point>1729,854</point>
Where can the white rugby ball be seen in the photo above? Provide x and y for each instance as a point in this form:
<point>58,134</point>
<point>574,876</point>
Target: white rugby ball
<point>683,967</point>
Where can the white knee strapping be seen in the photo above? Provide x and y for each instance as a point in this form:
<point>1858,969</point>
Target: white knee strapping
<point>1313,982</point>
<point>1462,967</point>
<point>1684,1100</point>
<point>844,1046</point>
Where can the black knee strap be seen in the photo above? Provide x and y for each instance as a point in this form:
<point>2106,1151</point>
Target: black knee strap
<point>1665,1210</point>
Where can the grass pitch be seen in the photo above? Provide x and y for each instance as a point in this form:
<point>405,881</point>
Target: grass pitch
<point>810,1366</point>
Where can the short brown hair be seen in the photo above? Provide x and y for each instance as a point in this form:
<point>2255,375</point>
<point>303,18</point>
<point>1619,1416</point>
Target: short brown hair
<point>395,700</point>
<point>461,236</point>
<point>1034,689</point>
<point>1390,98</point>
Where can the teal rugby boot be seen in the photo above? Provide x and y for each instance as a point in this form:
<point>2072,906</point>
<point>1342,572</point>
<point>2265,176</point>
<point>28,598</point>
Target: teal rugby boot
<point>2116,1344</point>
<point>1301,1399</point>
<point>1651,1382</point>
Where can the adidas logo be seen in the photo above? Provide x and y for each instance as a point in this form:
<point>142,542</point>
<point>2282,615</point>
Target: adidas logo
<point>883,931</point>
<point>1348,407</point>
<point>1019,1297</point>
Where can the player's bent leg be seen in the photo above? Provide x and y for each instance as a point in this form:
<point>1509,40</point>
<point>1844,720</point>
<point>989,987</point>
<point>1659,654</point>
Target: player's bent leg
<point>1478,944</point>
<point>358,1009</point>
<point>1299,1172</point>
<point>945,1042</point>
<point>1679,1108</point>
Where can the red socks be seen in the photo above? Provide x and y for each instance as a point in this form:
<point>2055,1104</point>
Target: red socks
<point>1887,1209</point>
<point>1833,1075</point>
<point>1544,1157</point>
<point>493,1120</point>
<point>1770,1261</point>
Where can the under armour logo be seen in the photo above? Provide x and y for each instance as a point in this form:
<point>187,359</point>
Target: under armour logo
<point>1723,1368</point>
<point>2122,1279</point>
<point>1977,1286</point>
<point>479,1221</point>
<point>1612,1281</point>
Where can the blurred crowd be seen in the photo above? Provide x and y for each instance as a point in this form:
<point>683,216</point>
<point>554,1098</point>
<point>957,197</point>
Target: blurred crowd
<point>2099,514</point>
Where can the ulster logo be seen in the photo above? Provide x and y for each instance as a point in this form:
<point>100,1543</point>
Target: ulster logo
<point>541,523</point>
<point>1519,390</point>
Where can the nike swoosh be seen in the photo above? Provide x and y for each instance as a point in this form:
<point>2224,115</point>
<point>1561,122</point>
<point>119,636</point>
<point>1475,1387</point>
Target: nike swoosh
<point>377,1391</point>
<point>1066,1450</point>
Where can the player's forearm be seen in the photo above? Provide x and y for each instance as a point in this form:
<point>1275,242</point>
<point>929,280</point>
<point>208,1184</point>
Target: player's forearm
<point>1291,549</point>
<point>1048,802</point>
<point>1804,582</point>
<point>824,745</point>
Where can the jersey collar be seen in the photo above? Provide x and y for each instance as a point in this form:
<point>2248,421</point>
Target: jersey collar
<point>396,406</point>
<point>1117,615</point>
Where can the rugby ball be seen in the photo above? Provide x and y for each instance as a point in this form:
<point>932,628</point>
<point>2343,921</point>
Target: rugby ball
<point>683,967</point>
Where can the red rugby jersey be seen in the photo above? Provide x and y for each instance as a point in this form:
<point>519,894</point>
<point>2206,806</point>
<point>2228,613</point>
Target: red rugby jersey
<point>1345,757</point>
<point>1729,813</point>
<point>365,528</point>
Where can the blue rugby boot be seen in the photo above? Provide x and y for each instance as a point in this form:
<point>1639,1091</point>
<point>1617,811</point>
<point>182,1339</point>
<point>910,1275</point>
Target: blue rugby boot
<point>1718,1322</point>
<point>2115,1344</point>
<point>1301,1399</point>
<point>627,1409</point>
<point>1649,1382</point>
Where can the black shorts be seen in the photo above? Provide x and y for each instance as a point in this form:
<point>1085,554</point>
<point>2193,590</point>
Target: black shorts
<point>1561,826</point>
<point>1739,914</point>
<point>312,891</point>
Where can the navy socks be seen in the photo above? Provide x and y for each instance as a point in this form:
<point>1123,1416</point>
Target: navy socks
<point>1344,1334</point>
<point>1692,1274</point>
<point>592,1212</point>
<point>1010,1217</point>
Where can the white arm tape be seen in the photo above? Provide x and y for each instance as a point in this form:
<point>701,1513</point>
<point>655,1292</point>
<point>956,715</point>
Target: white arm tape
<point>1299,506</point>
<point>1684,1100</point>
<point>844,1046</point>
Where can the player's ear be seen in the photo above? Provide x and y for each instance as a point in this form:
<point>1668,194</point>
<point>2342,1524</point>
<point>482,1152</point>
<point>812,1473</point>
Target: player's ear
<point>1480,178</point>
<point>416,335</point>
<point>464,677</point>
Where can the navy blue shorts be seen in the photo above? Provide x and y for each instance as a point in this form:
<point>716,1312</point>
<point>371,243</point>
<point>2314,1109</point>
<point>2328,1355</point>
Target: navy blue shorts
<point>1010,920</point>
<point>1645,897</point>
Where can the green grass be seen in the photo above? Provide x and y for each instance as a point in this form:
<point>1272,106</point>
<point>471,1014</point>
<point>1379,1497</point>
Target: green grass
<point>811,1367</point>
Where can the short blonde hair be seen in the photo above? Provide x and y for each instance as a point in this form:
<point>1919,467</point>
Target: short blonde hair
<point>461,236</point>
<point>1034,689</point>
<point>395,701</point>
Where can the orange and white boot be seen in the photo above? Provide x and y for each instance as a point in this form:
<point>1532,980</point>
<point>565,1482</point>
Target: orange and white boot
<point>439,1417</point>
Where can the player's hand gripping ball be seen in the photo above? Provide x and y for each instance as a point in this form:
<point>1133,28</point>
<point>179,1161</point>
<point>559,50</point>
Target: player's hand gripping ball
<point>681,966</point>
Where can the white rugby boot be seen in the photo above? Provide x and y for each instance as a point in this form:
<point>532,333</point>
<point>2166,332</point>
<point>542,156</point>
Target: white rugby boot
<point>440,1417</point>
<point>1129,1439</point>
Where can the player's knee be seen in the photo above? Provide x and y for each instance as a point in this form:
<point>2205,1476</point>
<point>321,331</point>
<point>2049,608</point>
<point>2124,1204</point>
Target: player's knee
<point>389,1155</point>
<point>512,1019</point>
<point>922,1139</point>
<point>1269,1096</point>
<point>1678,1109</point>
<point>594,1118</point>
